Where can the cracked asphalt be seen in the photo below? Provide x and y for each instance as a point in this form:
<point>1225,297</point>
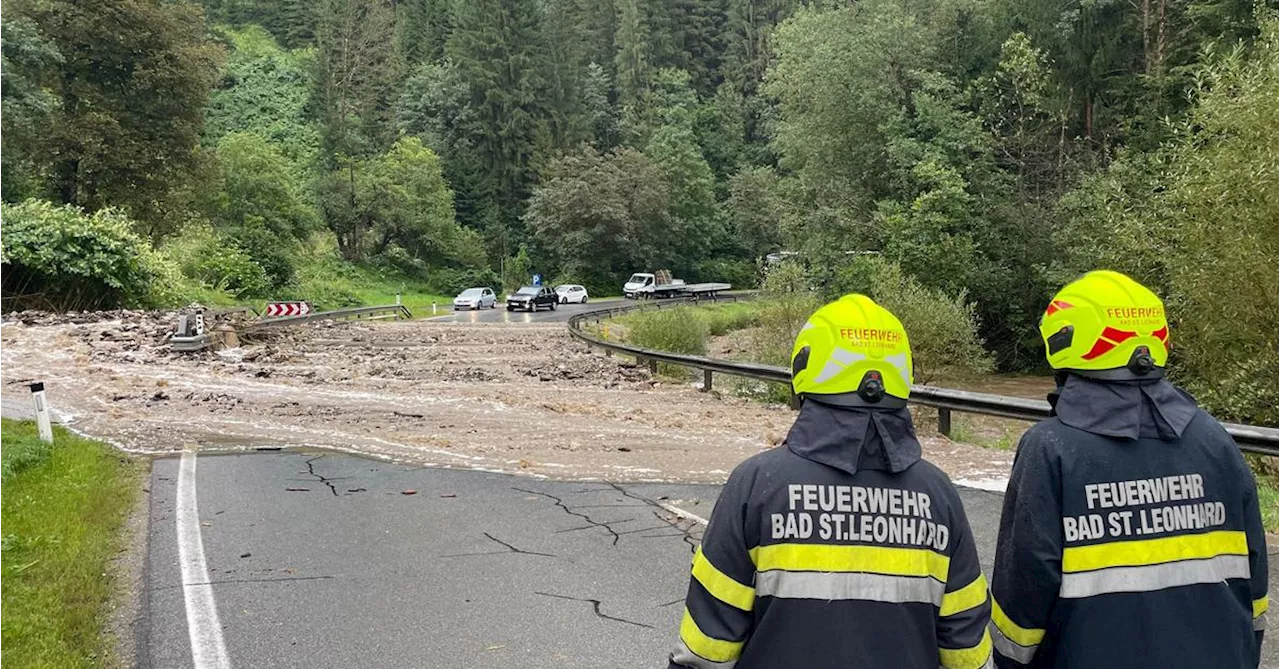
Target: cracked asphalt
<point>323,560</point>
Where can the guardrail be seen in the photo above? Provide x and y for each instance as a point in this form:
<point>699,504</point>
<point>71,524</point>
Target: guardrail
<point>392,310</point>
<point>1250,438</point>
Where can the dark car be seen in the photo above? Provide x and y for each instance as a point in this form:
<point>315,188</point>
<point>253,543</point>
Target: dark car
<point>532,297</point>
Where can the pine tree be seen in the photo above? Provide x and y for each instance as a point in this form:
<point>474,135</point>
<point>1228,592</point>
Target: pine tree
<point>631,44</point>
<point>422,28</point>
<point>497,48</point>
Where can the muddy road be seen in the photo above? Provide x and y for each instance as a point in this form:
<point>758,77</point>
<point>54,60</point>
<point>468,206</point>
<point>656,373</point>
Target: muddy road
<point>516,397</point>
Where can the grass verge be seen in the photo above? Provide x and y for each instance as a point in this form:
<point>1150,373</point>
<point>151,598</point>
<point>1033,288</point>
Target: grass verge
<point>63,511</point>
<point>1269,502</point>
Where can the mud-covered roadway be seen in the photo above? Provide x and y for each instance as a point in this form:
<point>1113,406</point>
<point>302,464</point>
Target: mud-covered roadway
<point>502,397</point>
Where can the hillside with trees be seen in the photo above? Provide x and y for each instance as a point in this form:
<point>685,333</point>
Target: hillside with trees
<point>162,151</point>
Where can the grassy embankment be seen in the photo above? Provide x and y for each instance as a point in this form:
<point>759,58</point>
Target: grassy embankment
<point>64,510</point>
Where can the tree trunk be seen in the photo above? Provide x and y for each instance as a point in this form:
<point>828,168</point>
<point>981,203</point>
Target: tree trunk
<point>1146,37</point>
<point>1160,32</point>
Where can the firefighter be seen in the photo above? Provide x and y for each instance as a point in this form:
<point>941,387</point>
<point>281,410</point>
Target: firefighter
<point>1131,535</point>
<point>842,547</point>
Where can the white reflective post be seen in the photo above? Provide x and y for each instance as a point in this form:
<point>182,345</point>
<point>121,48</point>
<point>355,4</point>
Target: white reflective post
<point>42,412</point>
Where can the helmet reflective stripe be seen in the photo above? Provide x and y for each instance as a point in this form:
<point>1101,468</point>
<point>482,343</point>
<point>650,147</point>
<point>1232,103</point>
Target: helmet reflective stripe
<point>839,360</point>
<point>904,368</point>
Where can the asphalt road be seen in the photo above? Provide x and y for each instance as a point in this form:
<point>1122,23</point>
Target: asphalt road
<point>501,315</point>
<point>322,560</point>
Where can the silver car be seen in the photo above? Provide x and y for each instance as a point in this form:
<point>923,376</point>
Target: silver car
<point>475,298</point>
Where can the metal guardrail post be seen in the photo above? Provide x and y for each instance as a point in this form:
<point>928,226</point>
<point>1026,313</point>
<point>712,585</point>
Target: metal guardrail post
<point>944,421</point>
<point>706,380</point>
<point>653,365</point>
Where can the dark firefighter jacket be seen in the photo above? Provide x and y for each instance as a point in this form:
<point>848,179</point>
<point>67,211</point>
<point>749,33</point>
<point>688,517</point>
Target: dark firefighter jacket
<point>843,548</point>
<point>1131,537</point>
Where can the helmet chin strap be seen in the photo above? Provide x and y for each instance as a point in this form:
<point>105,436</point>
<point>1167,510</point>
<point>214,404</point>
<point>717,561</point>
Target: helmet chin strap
<point>1141,367</point>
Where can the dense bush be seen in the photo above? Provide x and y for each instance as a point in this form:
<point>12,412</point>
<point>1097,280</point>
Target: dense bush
<point>942,329</point>
<point>59,257</point>
<point>723,319</point>
<point>218,264</point>
<point>786,302</point>
<point>677,330</point>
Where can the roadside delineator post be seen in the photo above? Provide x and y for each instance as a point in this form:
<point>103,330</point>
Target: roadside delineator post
<point>433,308</point>
<point>42,412</point>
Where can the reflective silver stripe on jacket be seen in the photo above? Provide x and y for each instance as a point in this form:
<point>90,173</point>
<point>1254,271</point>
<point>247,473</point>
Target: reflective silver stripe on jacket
<point>687,658</point>
<point>832,586</point>
<point>1153,577</point>
<point>1009,649</point>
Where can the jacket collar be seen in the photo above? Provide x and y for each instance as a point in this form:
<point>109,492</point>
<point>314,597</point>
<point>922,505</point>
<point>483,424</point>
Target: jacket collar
<point>1127,410</point>
<point>855,439</point>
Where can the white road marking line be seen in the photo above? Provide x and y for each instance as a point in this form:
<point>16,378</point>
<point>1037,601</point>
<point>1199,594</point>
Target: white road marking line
<point>679,511</point>
<point>208,649</point>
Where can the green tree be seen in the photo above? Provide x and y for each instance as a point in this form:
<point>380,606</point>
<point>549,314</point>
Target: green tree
<point>265,91</point>
<point>257,188</point>
<point>600,217</point>
<point>601,115</point>
<point>422,30</point>
<point>756,209</point>
<point>355,78</point>
<point>1196,221</point>
<point>26,107</point>
<point>397,207</point>
<point>631,45</point>
<point>497,48</point>
<point>128,95</point>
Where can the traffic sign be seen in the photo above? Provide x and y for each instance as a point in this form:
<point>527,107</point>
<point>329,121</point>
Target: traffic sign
<point>537,279</point>
<point>288,308</point>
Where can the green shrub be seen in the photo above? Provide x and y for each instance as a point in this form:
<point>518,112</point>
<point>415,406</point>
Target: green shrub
<point>677,330</point>
<point>23,451</point>
<point>217,264</point>
<point>723,319</point>
<point>942,329</point>
<point>59,257</point>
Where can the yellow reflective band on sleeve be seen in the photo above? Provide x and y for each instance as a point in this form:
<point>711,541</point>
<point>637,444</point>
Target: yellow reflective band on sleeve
<point>1013,631</point>
<point>707,647</point>
<point>965,598</point>
<point>870,559</point>
<point>1154,551</point>
<point>967,658</point>
<point>721,585</point>
<point>1260,606</point>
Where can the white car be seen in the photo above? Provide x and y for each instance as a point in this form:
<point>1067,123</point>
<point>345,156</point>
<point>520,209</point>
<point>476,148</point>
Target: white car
<point>475,298</point>
<point>570,293</point>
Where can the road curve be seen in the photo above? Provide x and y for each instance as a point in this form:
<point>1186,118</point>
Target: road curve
<point>501,315</point>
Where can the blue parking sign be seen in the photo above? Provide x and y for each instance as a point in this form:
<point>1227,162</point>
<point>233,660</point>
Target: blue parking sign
<point>537,279</point>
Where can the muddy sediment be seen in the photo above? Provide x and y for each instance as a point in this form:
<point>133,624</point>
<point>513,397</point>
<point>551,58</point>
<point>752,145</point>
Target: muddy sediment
<point>504,397</point>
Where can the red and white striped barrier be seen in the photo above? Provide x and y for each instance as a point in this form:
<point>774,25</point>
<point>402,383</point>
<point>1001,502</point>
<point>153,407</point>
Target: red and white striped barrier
<point>288,309</point>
